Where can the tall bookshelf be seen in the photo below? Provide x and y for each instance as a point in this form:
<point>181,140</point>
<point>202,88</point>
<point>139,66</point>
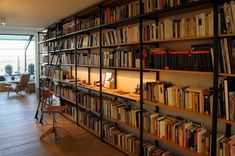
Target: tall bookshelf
<point>90,23</point>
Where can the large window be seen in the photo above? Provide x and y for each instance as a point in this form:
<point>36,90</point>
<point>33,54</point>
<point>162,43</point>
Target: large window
<point>16,50</point>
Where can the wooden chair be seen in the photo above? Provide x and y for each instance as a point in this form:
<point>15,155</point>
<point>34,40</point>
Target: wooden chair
<point>50,109</point>
<point>54,110</point>
<point>18,87</point>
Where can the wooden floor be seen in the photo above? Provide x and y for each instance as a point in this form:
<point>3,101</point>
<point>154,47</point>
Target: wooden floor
<point>19,133</point>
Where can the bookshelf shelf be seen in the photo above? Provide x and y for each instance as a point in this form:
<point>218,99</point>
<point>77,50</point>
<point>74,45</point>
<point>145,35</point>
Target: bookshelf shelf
<point>84,48</point>
<point>65,50</point>
<point>180,39</point>
<point>69,117</point>
<point>119,148</point>
<point>91,131</point>
<point>179,71</point>
<point>123,21</point>
<point>227,35</point>
<point>226,75</point>
<point>122,44</point>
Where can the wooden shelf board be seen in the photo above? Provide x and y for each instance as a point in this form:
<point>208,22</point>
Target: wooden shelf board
<point>73,102</point>
<point>119,148</point>
<point>110,92</point>
<point>96,113</point>
<point>121,44</point>
<point>91,131</point>
<point>180,71</point>
<point>227,35</point>
<point>174,144</point>
<point>179,39</point>
<point>69,117</point>
<point>177,109</point>
<point>227,75</point>
<point>67,64</point>
<point>64,50</point>
<point>84,48</point>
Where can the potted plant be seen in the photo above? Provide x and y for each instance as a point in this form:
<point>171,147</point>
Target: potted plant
<point>31,68</point>
<point>8,69</point>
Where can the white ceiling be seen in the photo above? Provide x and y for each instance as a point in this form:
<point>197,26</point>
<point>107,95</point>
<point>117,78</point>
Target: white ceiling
<point>40,13</point>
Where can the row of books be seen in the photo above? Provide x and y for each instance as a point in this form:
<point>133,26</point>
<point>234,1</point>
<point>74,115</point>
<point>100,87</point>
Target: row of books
<point>89,120</point>
<point>129,58</point>
<point>227,18</point>
<point>68,92</point>
<point>179,131</point>
<point>68,58</point>
<point>53,46</point>
<point>198,99</point>
<point>69,27</point>
<point>92,59</point>
<point>130,142</point>
<point>91,102</point>
<point>226,107</point>
<point>152,5</point>
<point>68,43</point>
<point>172,28</point>
<point>71,112</point>
<point>91,40</point>
<point>122,35</point>
<point>121,12</point>
<point>88,23</point>
<point>227,55</point>
<point>198,58</point>
<point>225,145</point>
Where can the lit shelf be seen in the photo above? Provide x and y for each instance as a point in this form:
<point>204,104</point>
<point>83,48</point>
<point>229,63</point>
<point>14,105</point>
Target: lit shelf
<point>179,71</point>
<point>112,92</point>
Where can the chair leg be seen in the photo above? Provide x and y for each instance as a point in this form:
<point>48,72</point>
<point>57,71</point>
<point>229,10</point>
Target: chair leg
<point>37,111</point>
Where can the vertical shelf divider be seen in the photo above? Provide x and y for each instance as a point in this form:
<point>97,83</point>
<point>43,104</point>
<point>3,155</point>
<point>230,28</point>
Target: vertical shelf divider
<point>101,66</point>
<point>215,78</point>
<point>141,78</point>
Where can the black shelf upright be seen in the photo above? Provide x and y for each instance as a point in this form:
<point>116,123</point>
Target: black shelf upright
<point>101,67</point>
<point>215,79</point>
<point>141,77</point>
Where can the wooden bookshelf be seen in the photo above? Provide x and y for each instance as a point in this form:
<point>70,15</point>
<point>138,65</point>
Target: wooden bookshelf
<point>156,14</point>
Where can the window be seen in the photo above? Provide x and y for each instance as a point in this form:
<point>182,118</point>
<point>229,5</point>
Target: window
<point>16,50</point>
